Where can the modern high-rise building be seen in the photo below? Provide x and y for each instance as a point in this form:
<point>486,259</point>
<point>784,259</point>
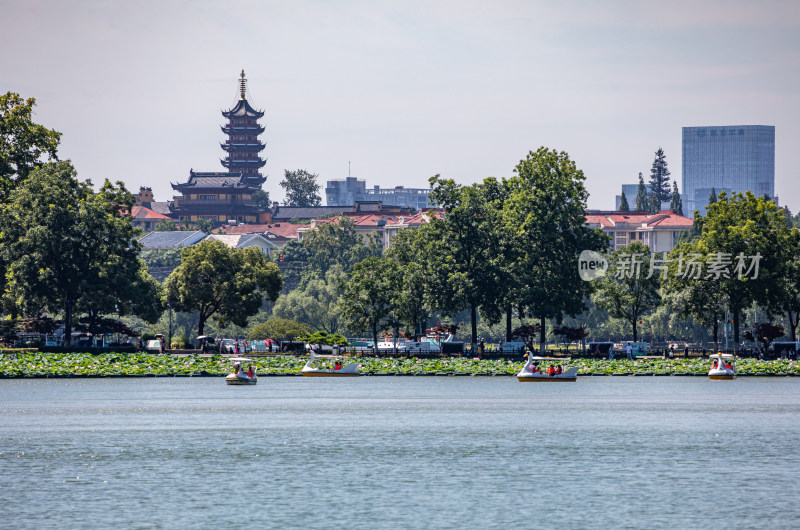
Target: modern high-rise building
<point>735,158</point>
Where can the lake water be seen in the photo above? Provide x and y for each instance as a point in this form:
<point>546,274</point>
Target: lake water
<point>400,452</point>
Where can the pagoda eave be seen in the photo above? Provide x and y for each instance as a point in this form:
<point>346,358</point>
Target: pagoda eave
<point>255,148</point>
<point>234,164</point>
<point>239,129</point>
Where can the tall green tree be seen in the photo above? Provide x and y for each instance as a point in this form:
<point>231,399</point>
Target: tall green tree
<point>464,250</point>
<point>659,180</point>
<point>69,249</point>
<point>367,300</point>
<point>630,287</point>
<point>642,196</point>
<point>676,204</point>
<point>227,284</point>
<point>623,204</point>
<point>546,216</point>
<point>689,291</point>
<point>24,145</point>
<point>301,188</point>
<point>410,308</point>
<point>742,231</point>
<point>261,198</point>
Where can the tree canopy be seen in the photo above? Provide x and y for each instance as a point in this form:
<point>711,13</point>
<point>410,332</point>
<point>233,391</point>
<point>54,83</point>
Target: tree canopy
<point>227,284</point>
<point>68,249</point>
<point>23,143</point>
<point>642,196</point>
<point>301,188</point>
<point>623,203</point>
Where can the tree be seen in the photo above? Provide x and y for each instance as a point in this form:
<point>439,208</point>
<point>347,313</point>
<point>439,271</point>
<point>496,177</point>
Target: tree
<point>546,217</point>
<point>69,249</point>
<point>165,225</point>
<point>23,143</point>
<point>676,204</point>
<point>301,188</point>
<point>623,204</point>
<point>527,332</point>
<point>691,294</point>
<point>659,180</point>
<point>642,196</point>
<point>279,329</point>
<point>204,225</point>
<point>338,243</point>
<point>409,303</point>
<point>742,232</point>
<point>713,197</point>
<point>462,250</point>
<point>221,282</point>
<point>315,303</point>
<point>366,302</point>
<point>629,288</point>
<point>261,199</point>
<point>765,333</point>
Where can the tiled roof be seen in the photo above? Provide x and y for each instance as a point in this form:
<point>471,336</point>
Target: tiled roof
<point>141,212</point>
<point>171,239</point>
<point>287,230</point>
<point>612,218</point>
<point>160,207</point>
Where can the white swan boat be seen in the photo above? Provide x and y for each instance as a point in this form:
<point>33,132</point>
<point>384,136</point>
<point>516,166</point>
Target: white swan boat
<point>309,370</point>
<point>724,366</point>
<point>533,371</point>
<point>239,376</point>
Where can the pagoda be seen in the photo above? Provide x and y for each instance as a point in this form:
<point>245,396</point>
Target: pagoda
<point>243,146</point>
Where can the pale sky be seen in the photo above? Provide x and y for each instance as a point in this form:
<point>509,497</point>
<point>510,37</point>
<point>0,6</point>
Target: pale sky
<point>403,90</point>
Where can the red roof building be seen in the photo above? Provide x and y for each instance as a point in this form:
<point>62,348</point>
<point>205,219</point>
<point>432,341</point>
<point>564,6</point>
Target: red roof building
<point>659,231</point>
<point>146,218</point>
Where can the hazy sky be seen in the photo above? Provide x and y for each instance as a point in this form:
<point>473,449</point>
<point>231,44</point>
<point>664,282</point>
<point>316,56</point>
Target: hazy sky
<point>403,90</point>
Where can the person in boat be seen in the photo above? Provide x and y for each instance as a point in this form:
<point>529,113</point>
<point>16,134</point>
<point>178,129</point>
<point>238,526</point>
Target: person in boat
<point>551,371</point>
<point>338,365</point>
<point>559,370</point>
<point>728,366</point>
<point>250,371</point>
<point>236,367</point>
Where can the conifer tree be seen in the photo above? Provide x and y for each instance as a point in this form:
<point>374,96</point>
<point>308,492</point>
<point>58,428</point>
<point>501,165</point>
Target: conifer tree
<point>713,198</point>
<point>623,204</point>
<point>642,196</point>
<point>676,204</point>
<point>659,180</point>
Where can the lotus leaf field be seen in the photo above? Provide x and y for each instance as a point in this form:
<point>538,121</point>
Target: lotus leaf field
<point>130,365</point>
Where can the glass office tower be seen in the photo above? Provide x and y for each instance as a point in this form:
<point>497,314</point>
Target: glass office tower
<point>731,158</point>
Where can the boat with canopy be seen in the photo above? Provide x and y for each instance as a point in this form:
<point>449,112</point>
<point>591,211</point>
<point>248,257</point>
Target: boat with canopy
<point>538,369</point>
<point>338,370</point>
<point>240,376</point>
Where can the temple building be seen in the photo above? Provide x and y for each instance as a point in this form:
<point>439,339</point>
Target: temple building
<point>220,196</point>
<point>243,146</point>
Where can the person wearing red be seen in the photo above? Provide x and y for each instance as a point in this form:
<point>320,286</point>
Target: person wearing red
<point>551,371</point>
<point>559,370</point>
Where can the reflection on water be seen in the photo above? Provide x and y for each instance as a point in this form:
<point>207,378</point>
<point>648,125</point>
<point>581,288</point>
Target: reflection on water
<point>402,452</point>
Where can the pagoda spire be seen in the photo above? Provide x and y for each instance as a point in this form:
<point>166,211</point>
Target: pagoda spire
<point>242,85</point>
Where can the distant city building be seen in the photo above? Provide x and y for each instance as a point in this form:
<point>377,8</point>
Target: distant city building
<point>222,197</point>
<point>735,158</point>
<point>630,191</point>
<point>352,190</point>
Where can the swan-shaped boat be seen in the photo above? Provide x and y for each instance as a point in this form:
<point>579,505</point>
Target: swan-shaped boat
<point>350,370</point>
<point>533,372</point>
<point>724,366</point>
<point>239,376</point>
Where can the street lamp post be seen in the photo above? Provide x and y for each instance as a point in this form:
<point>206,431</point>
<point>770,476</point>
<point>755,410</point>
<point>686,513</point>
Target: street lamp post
<point>169,307</point>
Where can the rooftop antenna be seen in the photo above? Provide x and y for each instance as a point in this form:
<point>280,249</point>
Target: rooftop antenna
<point>242,84</point>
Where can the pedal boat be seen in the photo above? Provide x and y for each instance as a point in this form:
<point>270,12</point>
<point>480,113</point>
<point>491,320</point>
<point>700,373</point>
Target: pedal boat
<point>350,370</point>
<point>527,374</point>
<point>718,370</point>
<point>239,376</point>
